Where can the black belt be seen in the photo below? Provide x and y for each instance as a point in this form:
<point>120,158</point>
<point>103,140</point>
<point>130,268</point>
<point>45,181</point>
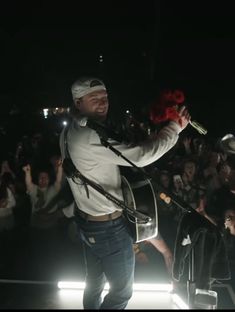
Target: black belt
<point>107,217</point>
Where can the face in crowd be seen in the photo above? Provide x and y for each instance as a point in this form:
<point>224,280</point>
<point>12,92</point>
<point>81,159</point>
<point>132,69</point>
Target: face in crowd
<point>229,221</point>
<point>43,180</point>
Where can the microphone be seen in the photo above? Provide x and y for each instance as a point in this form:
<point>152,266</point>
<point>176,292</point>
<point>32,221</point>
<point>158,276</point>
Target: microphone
<point>196,125</point>
<point>102,130</point>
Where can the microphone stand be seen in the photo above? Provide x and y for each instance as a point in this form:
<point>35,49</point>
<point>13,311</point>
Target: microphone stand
<point>191,285</point>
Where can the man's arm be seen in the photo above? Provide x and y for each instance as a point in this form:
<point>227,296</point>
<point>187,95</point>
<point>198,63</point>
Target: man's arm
<point>59,175</point>
<point>28,178</point>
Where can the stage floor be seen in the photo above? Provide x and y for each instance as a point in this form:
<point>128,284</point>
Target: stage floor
<point>16,294</point>
<point>23,286</point>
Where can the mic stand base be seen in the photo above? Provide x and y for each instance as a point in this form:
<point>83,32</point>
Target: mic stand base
<point>191,289</point>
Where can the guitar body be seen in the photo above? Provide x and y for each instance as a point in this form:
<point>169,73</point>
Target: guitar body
<point>139,195</point>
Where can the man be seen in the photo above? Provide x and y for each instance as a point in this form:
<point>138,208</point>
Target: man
<point>42,193</point>
<point>108,245</point>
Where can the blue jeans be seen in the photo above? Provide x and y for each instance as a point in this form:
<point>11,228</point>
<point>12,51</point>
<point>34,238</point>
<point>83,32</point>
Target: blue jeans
<point>109,255</point>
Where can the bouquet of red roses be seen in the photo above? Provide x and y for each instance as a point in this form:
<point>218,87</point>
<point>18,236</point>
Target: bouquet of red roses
<point>166,107</point>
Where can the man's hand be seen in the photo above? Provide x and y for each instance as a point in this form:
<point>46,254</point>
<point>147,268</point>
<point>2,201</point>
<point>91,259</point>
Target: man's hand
<point>183,117</point>
<point>26,168</point>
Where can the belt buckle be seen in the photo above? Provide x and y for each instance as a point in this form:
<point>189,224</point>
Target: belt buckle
<point>114,215</point>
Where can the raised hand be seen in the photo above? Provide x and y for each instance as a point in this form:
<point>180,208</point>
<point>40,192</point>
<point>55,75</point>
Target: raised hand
<point>184,117</point>
<point>27,168</point>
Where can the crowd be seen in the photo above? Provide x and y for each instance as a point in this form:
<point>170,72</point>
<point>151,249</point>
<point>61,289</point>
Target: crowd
<point>36,204</point>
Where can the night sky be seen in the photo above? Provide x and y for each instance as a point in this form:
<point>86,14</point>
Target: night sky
<point>145,45</point>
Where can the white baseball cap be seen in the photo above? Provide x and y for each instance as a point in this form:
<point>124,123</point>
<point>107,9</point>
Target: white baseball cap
<point>84,86</point>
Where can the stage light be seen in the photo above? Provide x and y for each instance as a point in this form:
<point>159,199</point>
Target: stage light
<point>179,302</point>
<point>45,112</point>
<point>72,288</point>
<point>101,58</point>
<point>136,286</point>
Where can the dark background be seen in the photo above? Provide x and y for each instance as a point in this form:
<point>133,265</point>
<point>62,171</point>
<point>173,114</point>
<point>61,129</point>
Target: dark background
<point>145,46</point>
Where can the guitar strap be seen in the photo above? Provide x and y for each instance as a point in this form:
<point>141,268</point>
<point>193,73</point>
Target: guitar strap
<point>69,168</point>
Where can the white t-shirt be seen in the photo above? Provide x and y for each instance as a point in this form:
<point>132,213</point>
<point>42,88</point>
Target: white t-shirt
<point>49,193</point>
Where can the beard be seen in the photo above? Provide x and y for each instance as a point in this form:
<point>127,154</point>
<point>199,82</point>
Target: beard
<point>98,117</point>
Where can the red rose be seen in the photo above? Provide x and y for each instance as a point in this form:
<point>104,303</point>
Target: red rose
<point>165,108</point>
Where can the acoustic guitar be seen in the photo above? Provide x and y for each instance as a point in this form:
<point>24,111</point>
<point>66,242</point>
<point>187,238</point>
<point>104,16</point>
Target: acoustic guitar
<point>139,195</point>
